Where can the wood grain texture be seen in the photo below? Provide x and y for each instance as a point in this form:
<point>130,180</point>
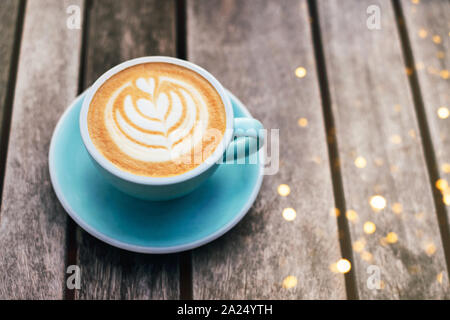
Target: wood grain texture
<point>119,31</point>
<point>9,37</point>
<point>33,224</point>
<point>254,48</point>
<point>428,26</point>
<point>375,119</point>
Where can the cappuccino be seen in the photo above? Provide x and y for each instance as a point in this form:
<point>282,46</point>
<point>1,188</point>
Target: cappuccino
<point>156,119</point>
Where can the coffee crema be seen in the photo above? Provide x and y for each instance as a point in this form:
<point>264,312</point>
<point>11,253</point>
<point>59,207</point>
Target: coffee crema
<point>156,119</point>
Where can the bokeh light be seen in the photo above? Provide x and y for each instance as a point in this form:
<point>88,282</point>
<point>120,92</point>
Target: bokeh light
<point>441,184</point>
<point>343,266</point>
<point>377,202</point>
<point>360,162</point>
<point>430,248</point>
<point>391,237</point>
<point>289,214</point>
<point>423,33</point>
<point>437,39</point>
<point>335,212</point>
<point>302,122</point>
<point>351,215</point>
<point>300,72</point>
<point>284,190</point>
<point>290,282</point>
<point>397,208</point>
<point>369,227</point>
<point>443,112</point>
<point>396,139</point>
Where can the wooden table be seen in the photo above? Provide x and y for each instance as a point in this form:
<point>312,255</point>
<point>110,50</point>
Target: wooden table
<point>362,111</point>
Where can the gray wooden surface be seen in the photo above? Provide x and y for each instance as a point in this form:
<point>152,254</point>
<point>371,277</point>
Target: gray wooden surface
<point>254,48</point>
<point>33,223</point>
<point>11,12</point>
<point>119,31</point>
<point>375,119</point>
<point>354,123</point>
<point>428,28</point>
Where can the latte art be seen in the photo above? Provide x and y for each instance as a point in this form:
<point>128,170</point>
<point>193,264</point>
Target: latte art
<point>147,117</point>
<point>156,119</point>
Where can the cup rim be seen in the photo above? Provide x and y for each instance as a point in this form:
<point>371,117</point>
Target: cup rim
<point>145,180</point>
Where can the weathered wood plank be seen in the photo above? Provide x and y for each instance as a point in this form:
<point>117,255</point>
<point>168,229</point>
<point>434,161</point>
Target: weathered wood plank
<point>118,31</point>
<point>428,28</point>
<point>375,120</point>
<point>254,48</point>
<point>33,224</point>
<point>10,25</point>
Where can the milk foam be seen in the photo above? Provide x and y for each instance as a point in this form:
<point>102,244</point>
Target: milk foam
<point>168,118</point>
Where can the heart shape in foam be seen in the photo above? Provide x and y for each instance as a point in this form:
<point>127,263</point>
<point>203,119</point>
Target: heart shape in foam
<point>146,106</point>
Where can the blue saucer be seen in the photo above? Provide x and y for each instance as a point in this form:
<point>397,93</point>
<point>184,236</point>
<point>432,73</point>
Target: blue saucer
<point>144,226</point>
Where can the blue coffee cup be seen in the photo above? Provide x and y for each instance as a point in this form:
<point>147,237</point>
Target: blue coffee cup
<point>237,131</point>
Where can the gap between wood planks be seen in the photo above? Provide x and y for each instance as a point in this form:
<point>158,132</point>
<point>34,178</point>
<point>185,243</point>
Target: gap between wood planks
<point>428,148</point>
<point>10,90</point>
<point>71,243</point>
<point>333,153</point>
<point>186,286</point>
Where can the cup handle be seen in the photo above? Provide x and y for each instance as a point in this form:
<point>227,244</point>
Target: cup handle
<point>248,138</point>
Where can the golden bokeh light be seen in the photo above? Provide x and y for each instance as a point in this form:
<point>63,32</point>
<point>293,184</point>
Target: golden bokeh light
<point>430,249</point>
<point>445,74</point>
<point>289,214</point>
<point>358,245</point>
<point>440,54</point>
<point>409,71</point>
<point>440,277</point>
<point>391,237</point>
<point>360,162</point>
<point>397,208</point>
<point>443,112</point>
<point>414,269</point>
<point>446,167</point>
<point>442,184</point>
<point>351,215</point>
<point>397,107</point>
<point>335,212</point>
<point>300,72</point>
<point>415,1</point>
<point>423,33</point>
<point>333,268</point>
<point>369,227</point>
<point>412,133</point>
<point>437,39</point>
<point>379,162</point>
<point>420,66</point>
<point>290,282</point>
<point>366,256</point>
<point>446,199</point>
<point>284,190</point>
<point>377,202</point>
<point>343,266</point>
<point>394,168</point>
<point>396,139</point>
<point>302,122</point>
